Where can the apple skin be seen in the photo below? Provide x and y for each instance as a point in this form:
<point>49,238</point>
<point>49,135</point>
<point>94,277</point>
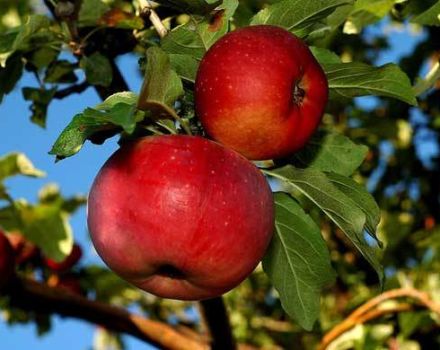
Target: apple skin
<point>260,91</point>
<point>180,216</point>
<point>24,250</point>
<point>7,261</point>
<point>65,265</point>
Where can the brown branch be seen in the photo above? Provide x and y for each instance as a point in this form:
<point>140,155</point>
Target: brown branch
<point>34,296</point>
<point>215,315</point>
<point>371,310</point>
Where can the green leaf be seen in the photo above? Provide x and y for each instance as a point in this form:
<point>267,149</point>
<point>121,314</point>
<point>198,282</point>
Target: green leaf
<point>298,16</point>
<point>42,57</point>
<point>360,198</point>
<point>116,112</point>
<point>45,225</point>
<point>430,17</point>
<point>367,12</point>
<point>340,208</point>
<point>161,87</point>
<point>50,194</point>
<point>297,261</point>
<point>196,37</point>
<point>184,40</point>
<point>90,12</point>
<point>185,66</point>
<point>98,69</point>
<point>324,56</point>
<point>40,99</point>
<point>61,72</point>
<point>359,79</point>
<point>10,74</point>
<point>331,152</point>
<point>191,6</point>
<point>31,28</point>
<point>18,164</point>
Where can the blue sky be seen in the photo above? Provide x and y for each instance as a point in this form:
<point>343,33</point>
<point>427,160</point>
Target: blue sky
<point>75,175</point>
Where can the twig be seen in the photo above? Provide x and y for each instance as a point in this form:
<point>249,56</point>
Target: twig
<point>34,296</point>
<point>370,310</point>
<point>215,315</point>
<point>147,10</point>
<point>73,89</point>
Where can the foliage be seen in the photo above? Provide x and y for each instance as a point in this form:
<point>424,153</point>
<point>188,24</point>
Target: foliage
<point>330,252</point>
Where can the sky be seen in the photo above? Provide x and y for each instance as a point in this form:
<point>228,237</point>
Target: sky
<point>75,175</point>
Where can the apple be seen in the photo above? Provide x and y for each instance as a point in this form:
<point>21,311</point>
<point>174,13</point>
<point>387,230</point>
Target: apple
<point>260,91</point>
<point>24,250</point>
<point>180,216</point>
<point>7,263</point>
<point>67,263</point>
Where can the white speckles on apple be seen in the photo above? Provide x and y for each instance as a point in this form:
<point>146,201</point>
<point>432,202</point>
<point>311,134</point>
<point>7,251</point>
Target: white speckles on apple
<point>173,157</point>
<point>226,223</point>
<point>212,172</point>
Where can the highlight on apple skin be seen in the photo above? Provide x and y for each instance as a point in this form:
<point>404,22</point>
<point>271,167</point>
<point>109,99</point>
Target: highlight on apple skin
<point>260,91</point>
<point>180,216</point>
<point>7,260</point>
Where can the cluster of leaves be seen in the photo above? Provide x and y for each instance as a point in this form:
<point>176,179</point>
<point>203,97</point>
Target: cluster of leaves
<point>317,195</point>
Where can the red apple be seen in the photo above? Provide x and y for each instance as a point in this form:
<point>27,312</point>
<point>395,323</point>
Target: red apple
<point>7,263</point>
<point>260,91</point>
<point>67,263</point>
<point>180,217</point>
<point>24,250</point>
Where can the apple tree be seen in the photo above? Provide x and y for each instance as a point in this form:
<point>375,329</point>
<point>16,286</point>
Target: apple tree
<point>347,234</point>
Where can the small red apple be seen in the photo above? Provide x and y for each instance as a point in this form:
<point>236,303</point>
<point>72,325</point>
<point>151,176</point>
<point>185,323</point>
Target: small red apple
<point>7,260</point>
<point>180,216</point>
<point>24,250</point>
<point>260,91</point>
<point>67,263</point>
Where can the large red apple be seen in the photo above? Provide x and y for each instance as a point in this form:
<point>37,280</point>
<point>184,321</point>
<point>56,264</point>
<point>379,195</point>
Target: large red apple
<point>179,216</point>
<point>260,91</point>
<point>7,260</point>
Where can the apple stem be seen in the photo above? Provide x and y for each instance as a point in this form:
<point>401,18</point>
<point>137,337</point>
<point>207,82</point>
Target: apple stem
<point>215,316</point>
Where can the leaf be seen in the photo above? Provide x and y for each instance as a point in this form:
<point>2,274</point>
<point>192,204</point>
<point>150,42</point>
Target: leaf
<point>297,16</point>
<point>297,261</point>
<point>430,17</point>
<point>185,66</point>
<point>191,6</point>
<point>423,85</point>
<point>360,198</point>
<point>117,111</point>
<point>97,69</point>
<point>10,74</point>
<point>359,79</point>
<point>91,12</point>
<point>196,37</point>
<point>331,152</point>
<point>367,12</point>
<point>117,18</point>
<point>45,225</point>
<point>61,72</point>
<point>18,164</point>
<point>161,87</point>
<point>335,204</point>
<point>324,56</point>
<point>31,28</point>
<point>40,99</point>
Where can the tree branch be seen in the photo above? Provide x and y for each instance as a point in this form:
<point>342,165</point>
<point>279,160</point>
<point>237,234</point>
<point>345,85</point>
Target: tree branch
<point>371,310</point>
<point>34,296</point>
<point>216,318</point>
<point>73,89</point>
